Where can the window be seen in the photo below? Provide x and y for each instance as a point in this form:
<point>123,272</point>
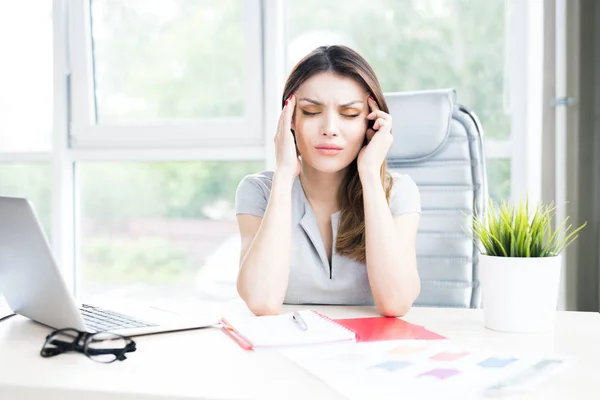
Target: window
<point>417,45</point>
<point>166,73</point>
<point>498,172</point>
<point>25,76</point>
<point>160,230</point>
<point>152,61</point>
<point>30,180</point>
<point>26,103</point>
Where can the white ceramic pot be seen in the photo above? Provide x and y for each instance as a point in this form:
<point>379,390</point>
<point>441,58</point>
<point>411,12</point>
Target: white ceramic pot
<point>519,295</point>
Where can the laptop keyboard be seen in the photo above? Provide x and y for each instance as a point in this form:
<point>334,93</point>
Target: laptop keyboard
<point>102,320</point>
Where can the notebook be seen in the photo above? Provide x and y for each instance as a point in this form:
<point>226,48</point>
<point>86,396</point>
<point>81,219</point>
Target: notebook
<point>282,331</point>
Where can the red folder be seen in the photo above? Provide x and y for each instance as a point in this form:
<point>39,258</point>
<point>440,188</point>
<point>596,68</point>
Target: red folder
<point>384,328</point>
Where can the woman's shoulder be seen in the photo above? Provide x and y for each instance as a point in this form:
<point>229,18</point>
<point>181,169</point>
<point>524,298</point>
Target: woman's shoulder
<point>405,196</point>
<point>258,183</point>
<point>399,181</point>
<point>252,193</point>
<point>264,178</point>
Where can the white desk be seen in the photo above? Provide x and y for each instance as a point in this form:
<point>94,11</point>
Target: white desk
<point>207,364</point>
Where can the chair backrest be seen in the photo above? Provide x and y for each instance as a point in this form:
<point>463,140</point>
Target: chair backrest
<point>439,144</point>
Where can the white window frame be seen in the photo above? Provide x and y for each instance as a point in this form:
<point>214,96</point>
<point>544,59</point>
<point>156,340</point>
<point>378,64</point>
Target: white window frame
<point>525,49</point>
<point>274,76</point>
<point>63,202</point>
<point>85,132</point>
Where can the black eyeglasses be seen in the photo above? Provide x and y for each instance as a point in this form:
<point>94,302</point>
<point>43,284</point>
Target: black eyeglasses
<point>102,347</point>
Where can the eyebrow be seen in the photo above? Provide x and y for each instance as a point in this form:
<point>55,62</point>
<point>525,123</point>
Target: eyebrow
<point>320,104</point>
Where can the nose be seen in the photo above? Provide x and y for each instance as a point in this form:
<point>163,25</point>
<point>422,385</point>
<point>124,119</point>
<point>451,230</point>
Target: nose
<point>330,124</point>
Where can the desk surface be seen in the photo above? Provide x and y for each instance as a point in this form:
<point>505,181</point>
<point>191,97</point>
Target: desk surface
<point>207,364</point>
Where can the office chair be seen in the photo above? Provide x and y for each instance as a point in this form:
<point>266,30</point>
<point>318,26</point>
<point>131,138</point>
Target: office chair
<point>439,144</point>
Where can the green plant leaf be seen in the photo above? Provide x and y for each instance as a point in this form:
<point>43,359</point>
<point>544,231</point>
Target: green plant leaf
<point>518,230</point>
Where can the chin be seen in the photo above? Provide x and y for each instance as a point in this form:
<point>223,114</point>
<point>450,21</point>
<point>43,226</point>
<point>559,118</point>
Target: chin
<point>328,165</point>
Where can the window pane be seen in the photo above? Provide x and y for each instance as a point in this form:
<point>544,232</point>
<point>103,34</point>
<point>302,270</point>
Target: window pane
<point>32,181</point>
<point>167,59</point>
<point>25,76</point>
<point>160,230</point>
<point>498,172</point>
<point>415,45</point>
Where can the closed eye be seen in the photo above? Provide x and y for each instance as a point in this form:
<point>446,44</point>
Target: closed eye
<point>343,115</point>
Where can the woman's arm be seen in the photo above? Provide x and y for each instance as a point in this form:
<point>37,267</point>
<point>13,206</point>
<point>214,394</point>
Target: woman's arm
<point>266,243</point>
<point>391,254</point>
<point>390,242</point>
<point>265,257</point>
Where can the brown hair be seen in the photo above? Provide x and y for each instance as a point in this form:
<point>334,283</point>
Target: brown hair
<point>343,61</point>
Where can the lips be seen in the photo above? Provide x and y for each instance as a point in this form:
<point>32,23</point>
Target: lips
<point>327,146</point>
<point>328,149</point>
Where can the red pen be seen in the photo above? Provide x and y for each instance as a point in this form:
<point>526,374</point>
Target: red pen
<point>228,329</point>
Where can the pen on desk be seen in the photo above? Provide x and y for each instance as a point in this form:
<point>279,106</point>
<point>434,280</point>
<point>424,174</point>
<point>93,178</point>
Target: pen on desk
<point>300,321</point>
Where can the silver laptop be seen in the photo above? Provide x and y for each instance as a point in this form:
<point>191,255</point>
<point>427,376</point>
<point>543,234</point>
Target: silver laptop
<point>32,285</point>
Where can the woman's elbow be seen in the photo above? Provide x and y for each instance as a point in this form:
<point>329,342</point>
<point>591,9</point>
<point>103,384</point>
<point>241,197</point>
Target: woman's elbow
<point>397,310</point>
<point>264,308</point>
<point>260,306</point>
<point>398,307</point>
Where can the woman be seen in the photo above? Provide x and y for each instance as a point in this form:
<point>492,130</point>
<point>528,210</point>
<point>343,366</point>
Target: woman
<point>330,225</point>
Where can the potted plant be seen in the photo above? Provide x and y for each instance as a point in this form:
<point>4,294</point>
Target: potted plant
<point>520,265</point>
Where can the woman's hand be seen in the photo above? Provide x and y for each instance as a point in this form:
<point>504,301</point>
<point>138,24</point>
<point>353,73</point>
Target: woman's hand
<point>379,139</point>
<point>288,163</point>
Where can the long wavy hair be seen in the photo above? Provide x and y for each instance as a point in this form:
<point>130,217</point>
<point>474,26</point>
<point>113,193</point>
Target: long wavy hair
<point>343,61</point>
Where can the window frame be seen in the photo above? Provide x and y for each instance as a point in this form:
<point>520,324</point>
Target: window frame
<point>526,42</point>
<point>86,133</point>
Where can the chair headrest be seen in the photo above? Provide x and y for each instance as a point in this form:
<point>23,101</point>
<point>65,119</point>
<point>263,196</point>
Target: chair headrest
<point>420,122</point>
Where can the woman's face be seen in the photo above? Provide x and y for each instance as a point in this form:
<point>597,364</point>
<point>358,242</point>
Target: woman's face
<point>330,121</point>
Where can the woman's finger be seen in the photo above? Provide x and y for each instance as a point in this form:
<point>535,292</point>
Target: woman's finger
<point>379,122</point>
<point>379,114</point>
<point>280,121</point>
<point>288,112</point>
<point>372,103</point>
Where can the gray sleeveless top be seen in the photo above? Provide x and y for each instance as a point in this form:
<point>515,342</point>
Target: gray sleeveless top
<point>312,280</point>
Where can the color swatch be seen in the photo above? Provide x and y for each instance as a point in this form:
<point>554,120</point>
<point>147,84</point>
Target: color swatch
<point>496,362</point>
<point>449,356</point>
<point>393,365</point>
<point>441,373</point>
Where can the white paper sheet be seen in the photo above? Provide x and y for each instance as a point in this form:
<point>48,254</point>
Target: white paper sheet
<point>420,369</point>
